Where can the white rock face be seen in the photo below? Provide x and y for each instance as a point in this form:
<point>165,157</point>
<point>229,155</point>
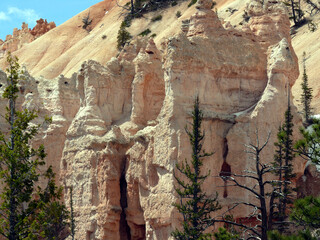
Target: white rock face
<point>118,130</point>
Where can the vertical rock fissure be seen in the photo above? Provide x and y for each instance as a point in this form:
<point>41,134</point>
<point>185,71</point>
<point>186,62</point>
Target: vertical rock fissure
<point>225,168</point>
<point>125,233</point>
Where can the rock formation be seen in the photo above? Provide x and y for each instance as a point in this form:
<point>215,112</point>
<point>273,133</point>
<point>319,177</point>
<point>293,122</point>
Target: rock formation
<point>42,27</point>
<point>23,36</point>
<point>308,183</point>
<point>118,129</point>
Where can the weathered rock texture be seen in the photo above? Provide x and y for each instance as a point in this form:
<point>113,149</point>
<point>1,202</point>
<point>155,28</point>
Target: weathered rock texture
<point>308,183</point>
<point>23,36</point>
<point>118,129</point>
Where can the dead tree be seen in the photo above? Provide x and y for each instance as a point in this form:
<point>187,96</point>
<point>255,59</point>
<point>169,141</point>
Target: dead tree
<point>265,199</point>
<point>134,9</point>
<point>86,21</point>
<point>313,5</point>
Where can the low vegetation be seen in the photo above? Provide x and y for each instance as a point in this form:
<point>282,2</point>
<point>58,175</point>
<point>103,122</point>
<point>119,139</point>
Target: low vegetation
<point>145,32</point>
<point>156,18</point>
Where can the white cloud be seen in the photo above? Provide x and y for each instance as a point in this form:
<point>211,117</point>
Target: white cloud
<point>26,15</point>
<point>4,16</point>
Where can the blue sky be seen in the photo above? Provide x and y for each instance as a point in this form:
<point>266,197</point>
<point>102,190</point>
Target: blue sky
<point>14,12</point>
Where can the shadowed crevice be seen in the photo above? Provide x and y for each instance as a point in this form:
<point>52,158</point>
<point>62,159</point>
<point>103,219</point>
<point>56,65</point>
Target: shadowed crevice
<point>225,168</point>
<point>124,227</point>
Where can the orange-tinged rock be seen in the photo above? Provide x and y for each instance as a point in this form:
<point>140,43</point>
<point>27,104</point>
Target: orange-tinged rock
<point>23,36</point>
<point>42,27</point>
<point>119,125</point>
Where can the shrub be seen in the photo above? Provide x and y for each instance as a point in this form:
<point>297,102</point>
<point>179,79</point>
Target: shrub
<point>156,18</point>
<point>178,14</point>
<point>126,22</point>
<point>192,2</point>
<point>312,26</point>
<point>104,36</point>
<point>246,16</point>
<point>145,32</point>
<point>153,35</point>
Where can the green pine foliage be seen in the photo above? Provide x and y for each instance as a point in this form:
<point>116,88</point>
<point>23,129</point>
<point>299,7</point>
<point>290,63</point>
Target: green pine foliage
<point>283,169</point>
<point>308,147</point>
<point>26,211</point>
<point>123,36</point>
<point>48,216</point>
<point>72,215</point>
<point>306,212</point>
<point>195,206</point>
<point>302,235</point>
<point>306,96</point>
<point>145,32</point>
<point>156,18</point>
<point>223,234</point>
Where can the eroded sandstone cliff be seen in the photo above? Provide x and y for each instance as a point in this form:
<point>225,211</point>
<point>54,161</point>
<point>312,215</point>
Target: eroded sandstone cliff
<point>118,128</point>
<point>23,36</point>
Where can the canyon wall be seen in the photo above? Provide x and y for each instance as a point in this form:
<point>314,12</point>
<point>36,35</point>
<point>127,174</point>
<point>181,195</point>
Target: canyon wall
<point>118,129</point>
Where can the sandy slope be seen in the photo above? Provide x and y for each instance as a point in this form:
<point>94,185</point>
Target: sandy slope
<point>309,42</point>
<point>63,50</point>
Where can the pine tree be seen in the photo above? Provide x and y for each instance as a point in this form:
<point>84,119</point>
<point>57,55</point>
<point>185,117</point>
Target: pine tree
<point>223,234</point>
<point>123,36</point>
<point>72,214</point>
<point>301,235</point>
<point>308,147</point>
<point>47,215</point>
<point>195,206</point>
<point>306,212</point>
<point>283,168</point>
<point>306,96</point>
<point>26,212</point>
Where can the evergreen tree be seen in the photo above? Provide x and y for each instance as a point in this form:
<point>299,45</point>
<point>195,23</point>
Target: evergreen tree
<point>123,36</point>
<point>306,212</point>
<point>302,235</point>
<point>283,169</point>
<point>223,234</point>
<point>308,146</point>
<point>306,96</point>
<point>26,212</point>
<point>72,214</point>
<point>47,215</point>
<point>195,206</point>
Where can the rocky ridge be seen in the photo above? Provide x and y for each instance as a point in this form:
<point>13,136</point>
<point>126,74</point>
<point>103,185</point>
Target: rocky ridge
<point>118,128</point>
<point>23,36</point>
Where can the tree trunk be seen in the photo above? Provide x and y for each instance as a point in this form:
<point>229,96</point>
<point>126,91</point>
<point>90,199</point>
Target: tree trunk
<point>294,13</point>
